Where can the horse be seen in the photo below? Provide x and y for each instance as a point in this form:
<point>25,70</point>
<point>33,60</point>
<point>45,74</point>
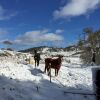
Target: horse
<point>47,64</point>
<point>53,63</point>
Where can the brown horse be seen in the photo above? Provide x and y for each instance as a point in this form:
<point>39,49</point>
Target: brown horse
<point>47,64</point>
<point>53,63</point>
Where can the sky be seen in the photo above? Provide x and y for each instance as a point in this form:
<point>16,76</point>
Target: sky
<point>58,23</point>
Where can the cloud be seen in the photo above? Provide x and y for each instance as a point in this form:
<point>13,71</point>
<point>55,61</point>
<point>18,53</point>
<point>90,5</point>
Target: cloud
<point>37,36</point>
<point>76,8</point>
<point>59,31</point>
<point>4,14</point>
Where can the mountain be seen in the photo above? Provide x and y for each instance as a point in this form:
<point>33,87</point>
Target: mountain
<point>50,49</point>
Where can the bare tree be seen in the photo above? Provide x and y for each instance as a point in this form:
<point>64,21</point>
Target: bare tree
<point>91,43</point>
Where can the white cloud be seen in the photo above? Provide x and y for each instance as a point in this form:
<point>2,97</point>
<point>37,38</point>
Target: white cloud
<point>51,37</point>
<point>4,14</point>
<point>76,8</point>
<point>59,31</point>
<point>37,36</point>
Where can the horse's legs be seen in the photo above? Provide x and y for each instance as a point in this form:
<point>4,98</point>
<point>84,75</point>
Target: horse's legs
<point>45,68</point>
<point>55,72</point>
<point>49,73</point>
<point>49,70</point>
<point>35,63</point>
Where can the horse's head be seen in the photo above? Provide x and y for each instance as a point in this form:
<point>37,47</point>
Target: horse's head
<point>60,57</point>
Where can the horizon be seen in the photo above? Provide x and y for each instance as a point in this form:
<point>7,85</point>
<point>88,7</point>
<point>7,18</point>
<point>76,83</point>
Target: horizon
<point>57,23</point>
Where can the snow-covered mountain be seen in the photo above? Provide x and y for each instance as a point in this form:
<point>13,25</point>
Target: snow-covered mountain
<point>44,49</point>
<point>20,80</point>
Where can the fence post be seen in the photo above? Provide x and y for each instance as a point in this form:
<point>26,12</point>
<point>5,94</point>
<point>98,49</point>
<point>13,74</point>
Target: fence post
<point>96,81</point>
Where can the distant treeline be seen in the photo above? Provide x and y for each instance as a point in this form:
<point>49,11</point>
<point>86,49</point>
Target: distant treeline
<point>51,49</point>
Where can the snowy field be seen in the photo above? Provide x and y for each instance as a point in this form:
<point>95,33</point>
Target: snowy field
<point>21,81</point>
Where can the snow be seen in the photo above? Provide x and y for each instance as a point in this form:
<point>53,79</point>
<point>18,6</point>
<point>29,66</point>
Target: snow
<point>44,50</point>
<point>22,81</point>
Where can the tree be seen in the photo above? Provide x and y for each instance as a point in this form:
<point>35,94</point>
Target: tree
<point>90,43</point>
<point>80,44</point>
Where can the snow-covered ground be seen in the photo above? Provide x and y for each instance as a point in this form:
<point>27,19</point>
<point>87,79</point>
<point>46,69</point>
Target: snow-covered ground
<point>21,81</point>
